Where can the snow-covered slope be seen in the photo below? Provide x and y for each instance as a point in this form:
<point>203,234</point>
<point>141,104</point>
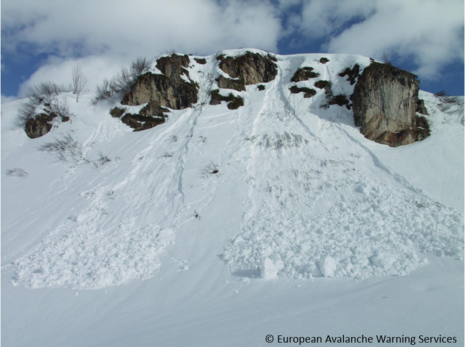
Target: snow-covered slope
<point>279,188</point>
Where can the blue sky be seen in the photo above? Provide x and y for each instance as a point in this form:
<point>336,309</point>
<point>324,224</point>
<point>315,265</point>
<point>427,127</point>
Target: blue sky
<point>43,40</point>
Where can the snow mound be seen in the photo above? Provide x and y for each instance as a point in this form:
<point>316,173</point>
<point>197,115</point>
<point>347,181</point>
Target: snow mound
<point>378,236</point>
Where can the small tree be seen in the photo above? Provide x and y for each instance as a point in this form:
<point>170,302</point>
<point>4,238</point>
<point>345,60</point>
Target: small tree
<point>79,81</point>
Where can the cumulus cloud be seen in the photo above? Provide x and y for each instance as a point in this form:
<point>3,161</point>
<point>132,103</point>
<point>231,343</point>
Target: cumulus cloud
<point>104,34</point>
<point>429,32</point>
<point>141,27</point>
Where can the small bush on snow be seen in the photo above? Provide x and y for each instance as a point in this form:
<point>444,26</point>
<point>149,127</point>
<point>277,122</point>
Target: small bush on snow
<point>123,82</point>
<point>17,172</point>
<point>65,149</point>
<point>43,93</point>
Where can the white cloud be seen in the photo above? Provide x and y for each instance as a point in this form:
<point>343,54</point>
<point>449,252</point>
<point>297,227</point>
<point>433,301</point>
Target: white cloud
<point>109,34</point>
<point>139,27</point>
<point>321,18</point>
<point>6,99</point>
<point>430,32</point>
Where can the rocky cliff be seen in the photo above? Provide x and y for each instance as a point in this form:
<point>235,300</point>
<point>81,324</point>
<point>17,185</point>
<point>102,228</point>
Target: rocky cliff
<point>384,99</point>
<point>385,105</point>
<point>250,68</point>
<point>158,91</point>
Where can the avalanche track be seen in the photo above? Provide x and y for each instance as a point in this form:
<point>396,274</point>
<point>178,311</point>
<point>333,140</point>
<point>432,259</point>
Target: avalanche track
<point>216,199</point>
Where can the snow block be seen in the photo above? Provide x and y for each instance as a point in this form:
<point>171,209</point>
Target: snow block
<point>328,266</point>
<point>268,270</point>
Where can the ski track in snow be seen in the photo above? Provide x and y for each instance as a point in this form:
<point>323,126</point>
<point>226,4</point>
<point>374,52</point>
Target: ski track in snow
<point>320,203</point>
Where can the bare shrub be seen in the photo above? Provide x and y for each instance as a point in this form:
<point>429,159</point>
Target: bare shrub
<point>46,93</point>
<point>103,159</point>
<point>16,172</point>
<point>123,82</point>
<point>61,108</point>
<point>65,149</point>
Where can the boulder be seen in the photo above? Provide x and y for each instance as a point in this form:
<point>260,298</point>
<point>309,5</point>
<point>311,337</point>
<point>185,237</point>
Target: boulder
<point>39,125</point>
<point>385,102</point>
<point>117,112</point>
<point>251,68</point>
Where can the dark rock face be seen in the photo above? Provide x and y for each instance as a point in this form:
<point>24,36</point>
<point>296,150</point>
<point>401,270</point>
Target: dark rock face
<point>173,67</point>
<point>41,123</point>
<point>169,90</point>
<point>353,74</point>
<point>421,108</point>
<point>227,83</point>
<point>251,68</point>
<point>324,60</point>
<point>304,74</point>
<point>176,94</point>
<point>234,102</point>
<point>308,92</point>
<point>339,100</point>
<point>150,116</point>
<point>385,102</point>
<point>201,61</point>
<point>323,84</point>
<point>117,112</point>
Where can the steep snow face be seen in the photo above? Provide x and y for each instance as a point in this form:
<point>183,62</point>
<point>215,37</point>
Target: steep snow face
<point>294,188</point>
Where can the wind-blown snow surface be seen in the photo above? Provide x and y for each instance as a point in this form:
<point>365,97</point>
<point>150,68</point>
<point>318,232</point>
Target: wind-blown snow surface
<point>299,194</point>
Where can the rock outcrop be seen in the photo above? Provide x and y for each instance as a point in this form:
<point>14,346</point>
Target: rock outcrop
<point>234,102</point>
<point>227,83</point>
<point>171,89</point>
<point>385,102</point>
<point>250,68</point>
<point>304,74</point>
<point>308,92</point>
<point>352,74</point>
<point>41,124</point>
